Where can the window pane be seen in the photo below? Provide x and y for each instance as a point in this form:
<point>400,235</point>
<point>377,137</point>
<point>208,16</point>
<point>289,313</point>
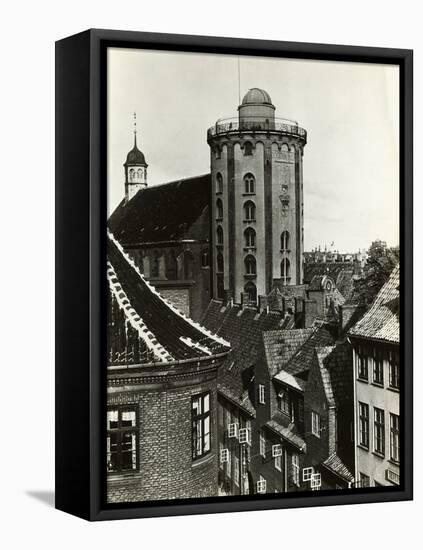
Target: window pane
<point>206,403</point>
<point>128,419</point>
<point>112,419</point>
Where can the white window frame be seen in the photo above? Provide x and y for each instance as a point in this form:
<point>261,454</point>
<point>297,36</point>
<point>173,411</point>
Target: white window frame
<point>315,423</point>
<point>261,485</point>
<point>236,471</point>
<point>245,436</point>
<point>295,466</point>
<point>316,481</point>
<point>224,455</point>
<point>262,394</point>
<point>278,462</point>
<point>276,450</point>
<point>307,473</point>
<point>262,445</point>
<point>233,430</point>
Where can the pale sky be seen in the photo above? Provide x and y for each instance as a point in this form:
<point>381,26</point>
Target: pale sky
<point>350,112</point>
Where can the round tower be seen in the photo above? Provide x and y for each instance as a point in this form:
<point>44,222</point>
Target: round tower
<point>257,200</point>
<point>135,169</point>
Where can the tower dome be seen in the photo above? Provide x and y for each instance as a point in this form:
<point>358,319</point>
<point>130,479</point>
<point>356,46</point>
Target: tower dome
<point>135,157</point>
<point>256,96</point>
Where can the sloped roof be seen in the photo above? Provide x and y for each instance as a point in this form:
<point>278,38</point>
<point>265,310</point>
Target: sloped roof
<point>336,368</point>
<point>381,321</point>
<point>335,465</point>
<point>288,432</point>
<point>281,345</point>
<point>165,330</point>
<point>313,269</point>
<point>243,329</point>
<point>161,213</point>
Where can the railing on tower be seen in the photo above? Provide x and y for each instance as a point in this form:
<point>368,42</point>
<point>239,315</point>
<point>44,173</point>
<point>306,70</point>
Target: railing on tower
<point>256,124</point>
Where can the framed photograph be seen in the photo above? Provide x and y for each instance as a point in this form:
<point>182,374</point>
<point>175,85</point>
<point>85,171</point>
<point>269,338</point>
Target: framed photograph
<point>234,274</point>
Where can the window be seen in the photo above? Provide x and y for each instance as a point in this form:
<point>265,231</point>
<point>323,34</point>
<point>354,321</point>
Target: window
<point>364,480</point>
<point>295,461</point>
<point>285,241</point>
<point>262,444</point>
<point>394,381</point>
<point>200,413</point>
<point>122,439</point>
<point>261,394</point>
<point>236,471</point>
<point>155,265</point>
<point>285,271</point>
<point>219,210</point>
<point>315,423</point>
<point>250,265</point>
<point>244,435</point>
<point>219,235</point>
<point>251,290</point>
<point>379,431</point>
<point>363,421</point>
<point>249,211</point>
<point>378,367</point>
<point>205,259</point>
<point>300,410</point>
<point>131,174</point>
<point>278,463</point>
<point>249,184</point>
<point>139,173</point>
<point>248,149</point>
<point>284,402</point>
<point>250,237</point>
<point>395,441</point>
<point>171,266</point>
<point>362,364</point>
<point>219,261</point>
<point>261,485</point>
<point>219,183</point>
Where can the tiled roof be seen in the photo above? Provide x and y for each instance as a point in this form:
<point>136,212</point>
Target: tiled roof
<point>335,465</point>
<point>281,345</point>
<point>288,433</point>
<point>300,363</point>
<point>166,331</point>
<point>243,329</point>
<point>324,268</point>
<point>291,380</point>
<point>161,213</point>
<point>381,321</point>
<point>335,364</point>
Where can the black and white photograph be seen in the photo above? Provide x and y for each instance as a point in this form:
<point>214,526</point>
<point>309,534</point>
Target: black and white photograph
<point>253,276</point>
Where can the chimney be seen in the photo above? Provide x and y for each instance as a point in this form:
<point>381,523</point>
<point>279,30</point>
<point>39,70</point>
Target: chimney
<point>263,304</point>
<point>228,299</point>
<point>310,312</point>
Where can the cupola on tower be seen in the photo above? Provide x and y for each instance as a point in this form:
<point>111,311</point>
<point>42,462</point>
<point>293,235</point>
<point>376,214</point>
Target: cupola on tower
<point>257,203</point>
<point>135,169</point>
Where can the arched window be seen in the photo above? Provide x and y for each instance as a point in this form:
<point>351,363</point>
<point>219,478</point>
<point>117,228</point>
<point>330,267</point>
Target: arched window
<point>188,264</point>
<point>251,290</point>
<point>171,266</point>
<point>285,240</point>
<point>250,265</point>
<point>155,265</point>
<point>248,149</point>
<point>205,259</point>
<point>250,237</point>
<point>139,173</point>
<point>219,183</point>
<point>249,183</point>
<point>249,211</point>
<point>219,235</point>
<point>219,209</point>
<point>220,264</point>
<point>285,271</point>
<point>131,174</point>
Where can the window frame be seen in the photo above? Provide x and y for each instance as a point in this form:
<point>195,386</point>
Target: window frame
<point>378,358</point>
<point>362,364</point>
<point>316,424</point>
<point>262,394</point>
<point>379,431</point>
<point>262,444</point>
<point>201,418</point>
<point>119,430</point>
<point>394,372</point>
<point>394,438</point>
<point>295,469</point>
<point>363,421</point>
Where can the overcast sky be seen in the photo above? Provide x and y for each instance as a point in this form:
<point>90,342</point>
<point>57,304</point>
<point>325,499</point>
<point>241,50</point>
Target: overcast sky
<point>350,111</point>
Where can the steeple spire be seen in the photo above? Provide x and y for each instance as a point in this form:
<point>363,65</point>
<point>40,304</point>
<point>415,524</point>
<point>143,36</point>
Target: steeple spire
<point>135,168</point>
<point>135,129</point>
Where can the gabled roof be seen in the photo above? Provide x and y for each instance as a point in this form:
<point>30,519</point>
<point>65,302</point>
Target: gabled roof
<point>336,370</point>
<point>381,322</point>
<point>161,213</point>
<point>166,332</point>
<point>333,269</point>
<point>335,465</point>
<point>243,329</point>
<point>288,432</point>
<point>281,345</point>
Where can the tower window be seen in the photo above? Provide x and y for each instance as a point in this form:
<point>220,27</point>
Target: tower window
<point>249,183</point>
<point>248,149</point>
<point>131,174</point>
<point>285,241</point>
<point>219,235</point>
<point>200,413</point>
<point>285,271</point>
<point>251,290</point>
<point>250,237</point>
<point>220,264</point>
<point>250,265</point>
<point>219,183</point>
<point>139,173</point>
<point>155,265</point>
<point>122,440</point>
<point>249,211</point>
<point>171,266</point>
<point>219,209</point>
<point>205,259</point>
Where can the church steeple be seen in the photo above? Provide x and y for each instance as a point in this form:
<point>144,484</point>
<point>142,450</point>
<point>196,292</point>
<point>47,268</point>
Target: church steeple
<point>135,168</point>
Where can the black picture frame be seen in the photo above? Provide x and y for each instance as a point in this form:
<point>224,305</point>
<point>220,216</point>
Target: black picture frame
<point>81,190</point>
